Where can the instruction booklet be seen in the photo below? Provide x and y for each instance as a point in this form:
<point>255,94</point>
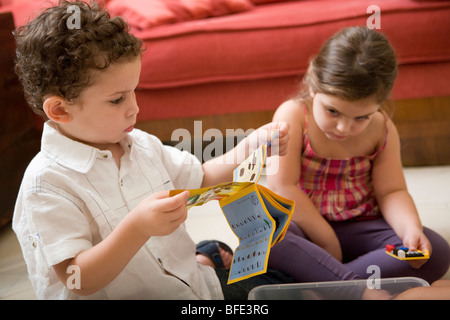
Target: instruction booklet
<point>256,215</point>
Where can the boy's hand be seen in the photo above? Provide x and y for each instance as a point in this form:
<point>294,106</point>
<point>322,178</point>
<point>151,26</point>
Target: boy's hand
<point>159,214</point>
<point>221,169</point>
<point>278,144</point>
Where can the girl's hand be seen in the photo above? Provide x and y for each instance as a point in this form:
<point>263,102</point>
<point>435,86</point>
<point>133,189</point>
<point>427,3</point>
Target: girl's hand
<point>159,214</point>
<point>415,239</point>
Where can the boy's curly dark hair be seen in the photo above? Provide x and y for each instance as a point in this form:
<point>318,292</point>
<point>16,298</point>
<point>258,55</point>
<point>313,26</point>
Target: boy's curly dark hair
<point>55,59</point>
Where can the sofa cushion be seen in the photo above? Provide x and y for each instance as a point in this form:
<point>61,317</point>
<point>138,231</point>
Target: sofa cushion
<point>277,40</point>
<point>26,10</point>
<point>143,14</point>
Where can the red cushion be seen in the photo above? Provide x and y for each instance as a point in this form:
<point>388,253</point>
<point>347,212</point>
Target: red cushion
<point>144,14</point>
<point>26,10</point>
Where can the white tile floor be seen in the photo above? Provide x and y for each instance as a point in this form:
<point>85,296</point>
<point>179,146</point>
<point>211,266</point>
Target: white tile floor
<point>429,186</point>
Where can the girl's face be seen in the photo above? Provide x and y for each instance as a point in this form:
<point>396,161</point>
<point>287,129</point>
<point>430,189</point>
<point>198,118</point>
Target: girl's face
<point>106,111</point>
<point>341,119</point>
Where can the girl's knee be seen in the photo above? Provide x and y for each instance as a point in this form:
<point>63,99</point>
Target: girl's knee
<point>441,283</point>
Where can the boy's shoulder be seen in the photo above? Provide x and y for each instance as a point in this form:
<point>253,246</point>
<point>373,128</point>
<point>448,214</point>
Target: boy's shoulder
<point>147,142</point>
<point>152,145</point>
<point>40,169</point>
<point>49,162</point>
<point>144,139</point>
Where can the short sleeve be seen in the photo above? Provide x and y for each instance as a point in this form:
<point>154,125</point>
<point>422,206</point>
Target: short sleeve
<point>60,229</point>
<point>184,168</point>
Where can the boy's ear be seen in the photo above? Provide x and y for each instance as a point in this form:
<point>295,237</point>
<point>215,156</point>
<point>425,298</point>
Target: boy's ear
<point>55,108</point>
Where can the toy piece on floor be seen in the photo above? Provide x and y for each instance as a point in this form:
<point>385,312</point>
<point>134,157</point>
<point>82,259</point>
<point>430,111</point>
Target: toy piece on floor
<point>403,253</point>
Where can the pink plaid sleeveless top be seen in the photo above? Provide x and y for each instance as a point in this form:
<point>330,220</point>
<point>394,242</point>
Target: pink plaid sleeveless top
<point>340,188</point>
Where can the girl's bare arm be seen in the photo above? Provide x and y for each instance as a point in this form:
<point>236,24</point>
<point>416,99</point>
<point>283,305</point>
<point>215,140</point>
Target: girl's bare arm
<point>285,182</point>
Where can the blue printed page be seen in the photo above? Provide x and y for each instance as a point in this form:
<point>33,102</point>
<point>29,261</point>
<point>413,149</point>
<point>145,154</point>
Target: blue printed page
<point>254,229</point>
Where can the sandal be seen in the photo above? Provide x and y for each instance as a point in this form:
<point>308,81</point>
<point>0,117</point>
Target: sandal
<point>210,248</point>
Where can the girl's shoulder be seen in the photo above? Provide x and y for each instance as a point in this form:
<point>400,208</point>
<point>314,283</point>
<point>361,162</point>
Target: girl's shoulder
<point>290,107</point>
<point>381,131</point>
<point>291,111</point>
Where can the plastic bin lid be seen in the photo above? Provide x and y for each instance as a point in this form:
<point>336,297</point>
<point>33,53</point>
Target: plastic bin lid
<point>334,290</point>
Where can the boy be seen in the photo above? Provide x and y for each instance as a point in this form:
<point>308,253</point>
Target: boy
<point>93,216</point>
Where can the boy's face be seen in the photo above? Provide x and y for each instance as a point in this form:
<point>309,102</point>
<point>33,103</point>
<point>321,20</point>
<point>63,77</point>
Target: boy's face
<point>105,111</point>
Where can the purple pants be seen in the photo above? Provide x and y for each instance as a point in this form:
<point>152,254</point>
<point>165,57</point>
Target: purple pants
<point>363,244</point>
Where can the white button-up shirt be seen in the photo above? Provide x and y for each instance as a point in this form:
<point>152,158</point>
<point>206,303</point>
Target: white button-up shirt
<point>73,195</point>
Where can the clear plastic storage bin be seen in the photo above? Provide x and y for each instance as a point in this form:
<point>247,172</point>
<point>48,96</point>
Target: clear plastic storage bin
<point>335,290</point>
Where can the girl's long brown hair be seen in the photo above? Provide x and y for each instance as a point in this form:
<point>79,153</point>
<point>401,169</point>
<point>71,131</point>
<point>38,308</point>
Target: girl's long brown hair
<point>355,63</point>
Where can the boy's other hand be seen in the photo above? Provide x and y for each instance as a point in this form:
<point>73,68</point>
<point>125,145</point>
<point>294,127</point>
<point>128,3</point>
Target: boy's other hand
<point>159,214</point>
<point>278,144</point>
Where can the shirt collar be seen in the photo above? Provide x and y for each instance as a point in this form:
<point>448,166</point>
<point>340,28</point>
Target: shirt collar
<point>70,153</point>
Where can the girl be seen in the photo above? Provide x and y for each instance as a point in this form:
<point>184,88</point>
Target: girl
<point>344,171</point>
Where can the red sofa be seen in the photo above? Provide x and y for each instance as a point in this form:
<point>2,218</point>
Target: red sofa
<point>251,61</point>
<point>232,66</point>
<point>233,71</point>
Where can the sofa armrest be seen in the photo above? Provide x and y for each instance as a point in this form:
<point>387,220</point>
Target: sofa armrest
<point>19,140</point>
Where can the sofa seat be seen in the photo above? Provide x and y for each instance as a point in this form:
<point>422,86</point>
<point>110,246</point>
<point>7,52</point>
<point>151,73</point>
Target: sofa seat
<point>252,61</point>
